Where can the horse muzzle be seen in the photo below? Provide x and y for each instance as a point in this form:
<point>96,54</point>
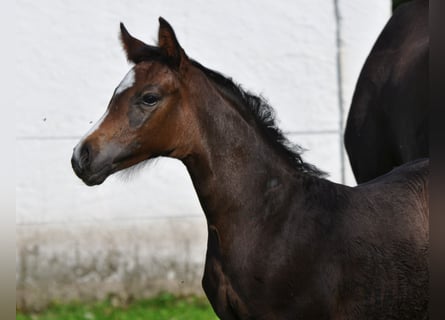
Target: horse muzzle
<point>87,167</point>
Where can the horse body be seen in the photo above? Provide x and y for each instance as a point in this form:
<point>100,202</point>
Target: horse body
<point>388,121</point>
<point>283,243</point>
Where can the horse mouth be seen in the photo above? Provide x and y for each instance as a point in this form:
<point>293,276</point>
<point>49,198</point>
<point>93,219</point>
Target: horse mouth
<point>95,178</point>
<point>99,172</point>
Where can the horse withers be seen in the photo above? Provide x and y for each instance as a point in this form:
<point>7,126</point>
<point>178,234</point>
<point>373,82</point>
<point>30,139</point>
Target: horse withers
<point>388,121</point>
<point>283,242</point>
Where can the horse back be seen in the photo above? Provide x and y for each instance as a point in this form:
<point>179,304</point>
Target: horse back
<point>401,189</point>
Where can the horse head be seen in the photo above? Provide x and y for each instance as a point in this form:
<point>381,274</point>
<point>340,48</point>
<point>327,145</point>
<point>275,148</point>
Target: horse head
<point>148,114</point>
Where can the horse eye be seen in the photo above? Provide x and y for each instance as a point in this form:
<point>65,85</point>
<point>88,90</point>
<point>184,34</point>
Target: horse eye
<point>150,99</point>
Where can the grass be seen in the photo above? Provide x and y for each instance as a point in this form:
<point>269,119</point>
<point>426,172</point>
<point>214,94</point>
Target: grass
<point>163,307</point>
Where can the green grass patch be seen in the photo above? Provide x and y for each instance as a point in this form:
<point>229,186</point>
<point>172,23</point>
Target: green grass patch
<point>163,307</point>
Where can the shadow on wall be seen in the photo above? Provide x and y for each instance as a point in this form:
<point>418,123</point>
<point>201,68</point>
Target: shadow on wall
<point>88,263</point>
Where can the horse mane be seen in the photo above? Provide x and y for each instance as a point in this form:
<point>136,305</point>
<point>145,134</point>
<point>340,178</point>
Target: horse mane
<point>257,109</point>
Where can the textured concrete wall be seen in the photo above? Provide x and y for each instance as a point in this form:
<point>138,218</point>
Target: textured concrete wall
<point>73,240</point>
<point>122,260</point>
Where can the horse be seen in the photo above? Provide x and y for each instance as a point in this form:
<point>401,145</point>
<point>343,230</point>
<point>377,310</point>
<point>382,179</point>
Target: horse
<point>387,123</point>
<point>283,241</point>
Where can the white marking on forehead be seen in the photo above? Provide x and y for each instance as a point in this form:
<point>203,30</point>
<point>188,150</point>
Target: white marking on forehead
<point>127,82</point>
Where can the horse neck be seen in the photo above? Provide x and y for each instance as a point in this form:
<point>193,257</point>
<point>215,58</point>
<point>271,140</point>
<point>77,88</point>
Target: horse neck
<point>233,166</point>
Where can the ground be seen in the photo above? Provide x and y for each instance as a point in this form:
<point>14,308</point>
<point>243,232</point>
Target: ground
<point>163,307</point>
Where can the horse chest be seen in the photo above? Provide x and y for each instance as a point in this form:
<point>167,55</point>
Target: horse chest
<point>217,285</point>
<point>240,290</point>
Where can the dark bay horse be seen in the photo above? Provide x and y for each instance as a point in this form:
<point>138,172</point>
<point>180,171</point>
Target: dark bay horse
<point>388,121</point>
<point>283,242</point>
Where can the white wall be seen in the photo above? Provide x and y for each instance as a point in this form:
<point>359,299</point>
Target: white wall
<point>71,60</point>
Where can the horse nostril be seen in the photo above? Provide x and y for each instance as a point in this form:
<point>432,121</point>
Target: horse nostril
<point>85,155</point>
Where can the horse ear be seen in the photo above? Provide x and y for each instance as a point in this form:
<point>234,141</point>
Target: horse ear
<point>169,44</point>
<point>135,49</point>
